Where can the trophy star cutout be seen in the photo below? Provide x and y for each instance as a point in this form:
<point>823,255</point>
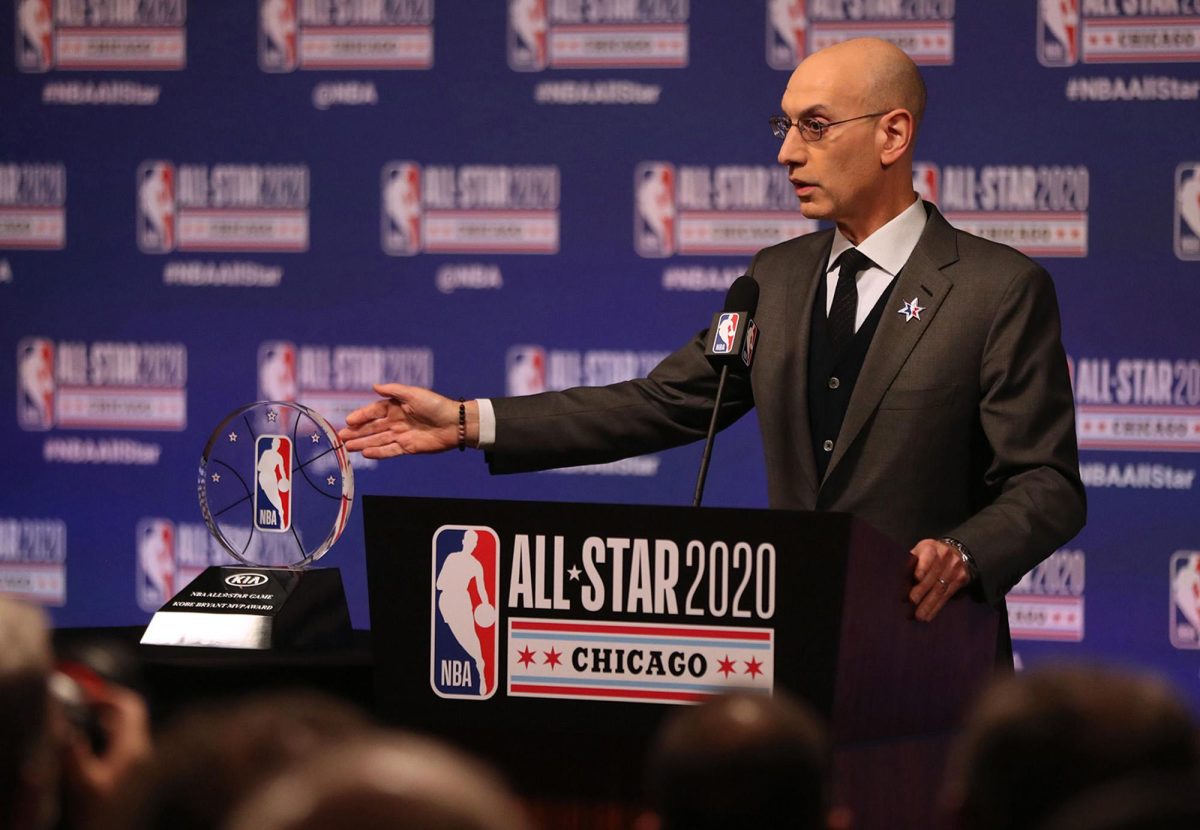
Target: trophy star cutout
<point>911,310</point>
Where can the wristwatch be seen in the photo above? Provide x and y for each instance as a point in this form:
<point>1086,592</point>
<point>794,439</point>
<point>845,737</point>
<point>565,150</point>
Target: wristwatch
<point>967,559</point>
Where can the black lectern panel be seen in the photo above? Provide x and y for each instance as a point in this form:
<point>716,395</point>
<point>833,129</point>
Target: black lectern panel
<point>553,637</point>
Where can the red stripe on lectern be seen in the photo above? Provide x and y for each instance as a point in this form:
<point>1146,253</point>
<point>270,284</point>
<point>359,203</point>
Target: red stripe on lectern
<point>644,694</point>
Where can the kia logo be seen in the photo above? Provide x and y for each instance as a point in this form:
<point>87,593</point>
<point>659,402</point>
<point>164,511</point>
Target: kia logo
<point>245,580</point>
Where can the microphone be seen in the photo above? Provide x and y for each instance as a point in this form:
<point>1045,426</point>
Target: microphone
<point>730,345</point>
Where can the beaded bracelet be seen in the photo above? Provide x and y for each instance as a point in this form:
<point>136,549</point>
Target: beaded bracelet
<point>462,425</point>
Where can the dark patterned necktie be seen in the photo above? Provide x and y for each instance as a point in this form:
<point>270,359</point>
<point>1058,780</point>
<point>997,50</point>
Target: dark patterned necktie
<point>845,298</point>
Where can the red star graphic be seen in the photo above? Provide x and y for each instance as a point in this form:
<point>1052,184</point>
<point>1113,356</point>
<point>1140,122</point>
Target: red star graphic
<point>552,657</point>
<point>753,667</point>
<point>526,657</point>
<point>726,666</point>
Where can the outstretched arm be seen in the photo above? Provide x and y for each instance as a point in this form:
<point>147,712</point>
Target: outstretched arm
<point>406,421</point>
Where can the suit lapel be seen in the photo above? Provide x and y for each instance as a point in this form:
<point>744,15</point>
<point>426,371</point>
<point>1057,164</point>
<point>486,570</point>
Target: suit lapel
<point>895,338</point>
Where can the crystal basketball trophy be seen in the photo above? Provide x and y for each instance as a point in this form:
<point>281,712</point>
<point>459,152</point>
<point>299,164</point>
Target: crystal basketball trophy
<point>275,487</point>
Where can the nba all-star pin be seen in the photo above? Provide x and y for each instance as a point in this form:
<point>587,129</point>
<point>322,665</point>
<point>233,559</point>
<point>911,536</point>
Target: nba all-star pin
<point>911,310</point>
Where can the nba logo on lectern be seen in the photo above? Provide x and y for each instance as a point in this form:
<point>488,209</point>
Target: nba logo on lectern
<point>35,383</point>
<point>654,209</point>
<point>1187,210</point>
<point>464,648</point>
<point>273,491</point>
<point>1058,32</point>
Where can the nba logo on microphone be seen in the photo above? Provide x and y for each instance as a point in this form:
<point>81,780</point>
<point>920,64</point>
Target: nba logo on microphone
<point>156,207</point>
<point>35,383</point>
<point>654,209</point>
<point>1187,210</point>
<point>727,326</point>
<point>273,490</point>
<point>1058,32</point>
<point>464,647</point>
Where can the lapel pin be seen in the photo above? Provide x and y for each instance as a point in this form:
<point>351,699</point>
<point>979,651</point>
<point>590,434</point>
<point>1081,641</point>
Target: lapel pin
<point>911,310</point>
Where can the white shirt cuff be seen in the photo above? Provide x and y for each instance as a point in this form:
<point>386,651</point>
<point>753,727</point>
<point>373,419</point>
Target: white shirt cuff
<point>487,424</point>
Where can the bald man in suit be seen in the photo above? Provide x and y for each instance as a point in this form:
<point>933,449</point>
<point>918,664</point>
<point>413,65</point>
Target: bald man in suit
<point>910,374</point>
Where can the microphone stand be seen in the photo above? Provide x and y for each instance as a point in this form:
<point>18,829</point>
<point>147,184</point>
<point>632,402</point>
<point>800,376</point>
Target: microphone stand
<point>712,434</point>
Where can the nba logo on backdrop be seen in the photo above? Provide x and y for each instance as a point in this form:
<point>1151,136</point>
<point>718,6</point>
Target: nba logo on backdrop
<point>464,594</point>
<point>654,209</point>
<point>787,28</point>
<point>527,27</point>
<point>277,35</point>
<point>401,209</point>
<point>1185,599</point>
<point>925,181</point>
<point>35,35</point>
<point>155,563</point>
<point>35,383</point>
<point>1058,32</point>
<point>526,370</point>
<point>1187,210</point>
<point>156,207</point>
<point>277,371</point>
<point>273,492</point>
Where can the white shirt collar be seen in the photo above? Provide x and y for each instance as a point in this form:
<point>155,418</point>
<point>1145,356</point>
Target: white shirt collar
<point>891,245</point>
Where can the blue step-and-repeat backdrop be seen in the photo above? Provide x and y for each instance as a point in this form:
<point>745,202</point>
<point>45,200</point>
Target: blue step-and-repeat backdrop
<point>208,203</point>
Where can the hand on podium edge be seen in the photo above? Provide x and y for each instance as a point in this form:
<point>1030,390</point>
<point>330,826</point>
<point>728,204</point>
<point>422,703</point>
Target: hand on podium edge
<point>940,573</point>
<point>408,420</point>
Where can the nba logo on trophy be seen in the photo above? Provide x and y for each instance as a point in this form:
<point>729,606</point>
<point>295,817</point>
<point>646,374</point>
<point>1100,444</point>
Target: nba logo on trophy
<point>654,209</point>
<point>156,207</point>
<point>273,492</point>
<point>466,581</point>
<point>35,383</point>
<point>1058,32</point>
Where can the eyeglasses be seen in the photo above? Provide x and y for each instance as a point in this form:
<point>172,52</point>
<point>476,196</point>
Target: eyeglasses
<point>810,128</point>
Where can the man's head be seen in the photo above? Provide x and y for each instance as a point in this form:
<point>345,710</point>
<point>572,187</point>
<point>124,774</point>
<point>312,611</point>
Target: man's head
<point>384,782</point>
<point>1037,741</point>
<point>28,728</point>
<point>858,174</point>
<point>739,760</point>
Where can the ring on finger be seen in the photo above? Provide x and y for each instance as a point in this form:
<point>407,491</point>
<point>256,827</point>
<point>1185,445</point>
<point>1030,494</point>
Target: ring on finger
<point>943,582</point>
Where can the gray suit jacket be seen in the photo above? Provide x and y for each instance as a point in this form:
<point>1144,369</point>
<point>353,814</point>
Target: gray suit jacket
<point>961,424</point>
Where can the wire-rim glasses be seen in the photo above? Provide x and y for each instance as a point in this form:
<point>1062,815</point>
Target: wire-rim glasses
<point>812,129</point>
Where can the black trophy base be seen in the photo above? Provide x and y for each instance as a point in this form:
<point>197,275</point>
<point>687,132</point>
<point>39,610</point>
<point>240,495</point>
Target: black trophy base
<point>255,608</point>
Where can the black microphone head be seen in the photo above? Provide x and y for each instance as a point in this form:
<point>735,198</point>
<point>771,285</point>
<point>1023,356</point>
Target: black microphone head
<point>743,295</point>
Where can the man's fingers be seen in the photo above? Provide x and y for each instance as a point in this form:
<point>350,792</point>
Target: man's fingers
<point>371,412</point>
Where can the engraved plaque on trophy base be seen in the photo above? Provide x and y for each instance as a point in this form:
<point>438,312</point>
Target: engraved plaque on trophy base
<point>255,608</point>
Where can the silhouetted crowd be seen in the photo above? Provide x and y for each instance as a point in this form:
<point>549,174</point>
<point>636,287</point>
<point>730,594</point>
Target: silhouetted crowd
<point>1078,748</point>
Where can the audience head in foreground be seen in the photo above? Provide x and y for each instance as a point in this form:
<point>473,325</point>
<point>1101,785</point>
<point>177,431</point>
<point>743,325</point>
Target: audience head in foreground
<point>1036,742</point>
<point>385,782</point>
<point>741,760</point>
